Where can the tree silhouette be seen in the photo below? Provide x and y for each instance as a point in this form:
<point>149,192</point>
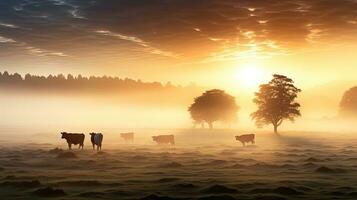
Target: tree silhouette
<point>213,105</point>
<point>348,104</point>
<point>276,102</point>
<point>70,82</point>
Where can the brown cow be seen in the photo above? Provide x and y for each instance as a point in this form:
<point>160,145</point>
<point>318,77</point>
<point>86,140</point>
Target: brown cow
<point>164,139</point>
<point>246,138</point>
<point>127,136</point>
<point>73,138</point>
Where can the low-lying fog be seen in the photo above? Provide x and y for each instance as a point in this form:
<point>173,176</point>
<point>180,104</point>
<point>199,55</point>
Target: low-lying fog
<point>26,114</point>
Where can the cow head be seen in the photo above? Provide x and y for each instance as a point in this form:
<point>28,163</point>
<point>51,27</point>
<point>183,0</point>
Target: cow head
<point>92,134</point>
<point>238,138</point>
<point>64,134</point>
<point>154,138</point>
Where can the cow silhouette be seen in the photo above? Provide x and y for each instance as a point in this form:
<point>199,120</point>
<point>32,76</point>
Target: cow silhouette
<point>246,138</point>
<point>74,138</point>
<point>96,139</point>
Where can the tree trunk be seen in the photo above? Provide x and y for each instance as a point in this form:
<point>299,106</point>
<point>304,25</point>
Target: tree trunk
<point>276,129</point>
<point>276,125</point>
<point>210,124</point>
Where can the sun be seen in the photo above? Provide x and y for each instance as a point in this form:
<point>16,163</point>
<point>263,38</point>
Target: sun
<point>250,76</point>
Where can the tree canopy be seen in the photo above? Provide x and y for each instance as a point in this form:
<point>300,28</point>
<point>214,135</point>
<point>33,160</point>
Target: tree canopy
<point>348,104</point>
<point>276,102</point>
<point>213,105</point>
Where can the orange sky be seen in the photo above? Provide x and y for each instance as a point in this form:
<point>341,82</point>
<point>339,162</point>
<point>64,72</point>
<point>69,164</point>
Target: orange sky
<point>227,44</point>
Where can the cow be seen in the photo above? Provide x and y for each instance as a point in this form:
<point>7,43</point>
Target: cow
<point>246,138</point>
<point>96,139</point>
<point>164,139</point>
<point>73,138</point>
<point>127,136</point>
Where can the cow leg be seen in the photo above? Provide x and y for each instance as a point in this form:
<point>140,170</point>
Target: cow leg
<point>69,146</point>
<point>82,146</point>
<point>253,142</point>
<point>243,144</point>
<point>93,146</point>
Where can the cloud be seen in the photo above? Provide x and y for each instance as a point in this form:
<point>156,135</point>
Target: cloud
<point>123,37</point>
<point>197,30</point>
<point>146,46</point>
<point>76,14</point>
<point>31,49</point>
<point>6,40</point>
<point>43,52</point>
<point>8,25</point>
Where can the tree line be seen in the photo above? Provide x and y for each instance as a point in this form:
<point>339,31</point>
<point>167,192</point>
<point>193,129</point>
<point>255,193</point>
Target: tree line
<point>79,82</point>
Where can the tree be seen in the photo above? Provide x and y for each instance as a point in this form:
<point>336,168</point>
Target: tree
<point>70,77</point>
<point>276,102</point>
<point>348,104</point>
<point>213,105</point>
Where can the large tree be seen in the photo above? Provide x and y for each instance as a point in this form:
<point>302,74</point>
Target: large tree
<point>213,105</point>
<point>348,104</point>
<point>276,102</point>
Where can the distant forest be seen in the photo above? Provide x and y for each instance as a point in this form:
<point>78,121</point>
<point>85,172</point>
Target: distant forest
<point>81,83</point>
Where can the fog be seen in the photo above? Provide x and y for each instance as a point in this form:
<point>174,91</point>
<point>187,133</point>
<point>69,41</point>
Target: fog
<point>85,112</point>
<point>203,163</point>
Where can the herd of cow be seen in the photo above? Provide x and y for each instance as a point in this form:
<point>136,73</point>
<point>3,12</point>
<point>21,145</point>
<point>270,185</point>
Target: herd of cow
<point>97,139</point>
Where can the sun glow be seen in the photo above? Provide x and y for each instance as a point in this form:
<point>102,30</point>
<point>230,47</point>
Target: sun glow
<point>250,76</point>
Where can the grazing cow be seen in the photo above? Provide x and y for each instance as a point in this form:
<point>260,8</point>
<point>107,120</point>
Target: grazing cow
<point>96,139</point>
<point>73,138</point>
<point>127,136</point>
<point>164,139</point>
<point>246,138</point>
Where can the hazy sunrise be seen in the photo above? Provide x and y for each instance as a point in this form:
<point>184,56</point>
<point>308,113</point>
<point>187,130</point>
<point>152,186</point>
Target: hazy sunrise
<point>178,99</point>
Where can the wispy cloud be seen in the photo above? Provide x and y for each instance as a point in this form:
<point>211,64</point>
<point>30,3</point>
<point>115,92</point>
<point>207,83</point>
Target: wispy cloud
<point>315,33</point>
<point>123,37</point>
<point>248,45</point>
<point>59,2</point>
<point>6,40</point>
<point>43,52</point>
<point>75,12</point>
<point>146,46</point>
<point>31,49</point>
<point>8,25</point>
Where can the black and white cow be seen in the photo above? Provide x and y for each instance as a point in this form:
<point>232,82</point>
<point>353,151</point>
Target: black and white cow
<point>96,139</point>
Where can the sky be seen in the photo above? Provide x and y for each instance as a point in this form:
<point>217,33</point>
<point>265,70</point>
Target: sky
<point>218,43</point>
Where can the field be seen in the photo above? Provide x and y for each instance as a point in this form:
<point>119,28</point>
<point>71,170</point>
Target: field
<point>203,165</point>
